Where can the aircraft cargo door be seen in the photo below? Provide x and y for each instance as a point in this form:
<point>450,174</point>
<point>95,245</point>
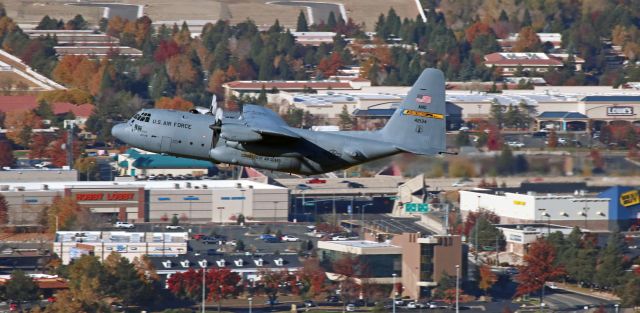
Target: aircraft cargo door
<point>165,145</point>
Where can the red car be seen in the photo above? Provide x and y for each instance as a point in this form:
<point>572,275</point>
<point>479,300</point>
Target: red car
<point>197,236</point>
<point>316,181</point>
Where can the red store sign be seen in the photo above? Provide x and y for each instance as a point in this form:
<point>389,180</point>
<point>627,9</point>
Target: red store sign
<point>106,196</point>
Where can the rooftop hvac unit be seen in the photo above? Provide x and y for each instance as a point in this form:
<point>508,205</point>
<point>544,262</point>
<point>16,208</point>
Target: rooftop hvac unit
<point>187,185</point>
<point>4,187</point>
<point>238,262</point>
<point>221,263</point>
<point>279,262</point>
<point>184,263</point>
<point>202,263</point>
<point>259,262</point>
<point>166,264</point>
<point>176,186</point>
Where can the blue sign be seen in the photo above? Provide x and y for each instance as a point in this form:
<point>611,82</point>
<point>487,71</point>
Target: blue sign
<point>31,200</point>
<point>232,198</point>
<point>191,198</point>
<point>349,209</point>
<point>164,198</point>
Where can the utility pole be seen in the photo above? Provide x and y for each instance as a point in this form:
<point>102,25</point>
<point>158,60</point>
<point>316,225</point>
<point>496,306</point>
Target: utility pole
<point>457,288</point>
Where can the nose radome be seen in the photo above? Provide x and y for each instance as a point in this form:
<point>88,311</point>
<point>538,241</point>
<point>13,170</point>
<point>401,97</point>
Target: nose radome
<point>118,131</point>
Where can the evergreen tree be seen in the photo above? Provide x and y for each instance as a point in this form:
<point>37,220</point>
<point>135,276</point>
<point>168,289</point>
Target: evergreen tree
<point>505,162</point>
<point>526,19</point>
<point>462,139</point>
<point>44,111</point>
<point>331,21</point>
<point>345,119</point>
<point>302,25</point>
<point>488,235</point>
<point>262,97</point>
<point>21,287</point>
<point>610,272</point>
<point>503,16</point>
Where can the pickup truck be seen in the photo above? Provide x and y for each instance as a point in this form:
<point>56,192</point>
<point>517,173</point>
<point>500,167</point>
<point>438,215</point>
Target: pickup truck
<point>123,225</point>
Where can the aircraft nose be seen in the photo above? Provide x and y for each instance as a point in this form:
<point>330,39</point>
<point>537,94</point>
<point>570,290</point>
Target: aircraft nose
<point>118,131</point>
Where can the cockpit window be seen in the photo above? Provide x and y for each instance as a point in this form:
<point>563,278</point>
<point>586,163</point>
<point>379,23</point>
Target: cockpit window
<point>144,117</point>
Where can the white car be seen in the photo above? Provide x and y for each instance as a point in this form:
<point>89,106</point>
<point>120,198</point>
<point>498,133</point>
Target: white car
<point>515,144</point>
<point>464,129</point>
<point>124,225</point>
<point>290,238</point>
<point>350,307</point>
<point>174,227</point>
<point>339,238</point>
<point>415,305</point>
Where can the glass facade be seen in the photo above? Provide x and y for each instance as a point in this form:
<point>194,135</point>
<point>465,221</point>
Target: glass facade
<point>381,265</point>
<point>426,262</point>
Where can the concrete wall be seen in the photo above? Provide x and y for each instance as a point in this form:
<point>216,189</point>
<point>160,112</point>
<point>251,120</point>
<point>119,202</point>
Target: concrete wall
<point>25,207</point>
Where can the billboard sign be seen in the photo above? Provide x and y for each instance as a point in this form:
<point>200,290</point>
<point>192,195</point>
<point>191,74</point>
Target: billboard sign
<point>630,198</point>
<point>416,207</point>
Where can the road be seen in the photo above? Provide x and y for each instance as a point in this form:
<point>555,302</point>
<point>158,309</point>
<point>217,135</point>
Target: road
<point>125,11</point>
<point>567,301</point>
<point>319,11</point>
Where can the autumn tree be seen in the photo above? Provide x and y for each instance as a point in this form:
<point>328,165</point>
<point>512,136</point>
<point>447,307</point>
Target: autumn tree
<point>348,269</point>
<point>4,210</point>
<point>271,281</point>
<point>67,214</point>
<point>87,165</point>
<point>176,103</point>
<point>215,83</point>
<point>487,278</point>
<point>6,154</point>
<point>539,268</point>
<point>220,283</point>
<point>20,125</point>
<point>528,41</point>
<point>122,280</point>
<point>552,139</point>
<point>345,119</point>
<point>312,277</point>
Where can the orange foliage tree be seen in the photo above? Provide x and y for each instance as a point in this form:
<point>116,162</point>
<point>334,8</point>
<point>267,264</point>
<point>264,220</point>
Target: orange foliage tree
<point>6,153</point>
<point>216,80</point>
<point>538,269</point>
<point>329,66</point>
<point>57,152</point>
<point>67,214</point>
<point>73,95</point>
<point>312,277</point>
<point>19,125</point>
<point>487,278</point>
<point>38,147</point>
<point>176,103</point>
<point>528,41</point>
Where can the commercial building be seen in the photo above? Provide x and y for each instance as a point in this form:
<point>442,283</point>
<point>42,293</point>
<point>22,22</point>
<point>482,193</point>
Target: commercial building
<point>18,77</point>
<point>617,208</point>
<point>136,162</point>
<point>215,201</point>
<point>413,259</point>
<point>246,265</point>
<point>555,39</point>
<point>70,245</point>
<point>518,237</point>
<point>510,63</point>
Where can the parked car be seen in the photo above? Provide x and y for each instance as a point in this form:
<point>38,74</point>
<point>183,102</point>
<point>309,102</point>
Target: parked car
<point>309,303</point>
<point>265,236</point>
<point>302,187</point>
<point>272,240</point>
<point>198,236</point>
<point>355,185</point>
<point>212,240</point>
<point>174,227</point>
<point>415,305</point>
<point>290,238</point>
<point>350,307</point>
<point>332,299</point>
<point>339,238</point>
<point>316,180</point>
<point>515,144</point>
<point>123,225</point>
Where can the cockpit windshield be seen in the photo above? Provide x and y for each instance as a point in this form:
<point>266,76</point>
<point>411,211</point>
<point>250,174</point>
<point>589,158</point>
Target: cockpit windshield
<point>142,117</point>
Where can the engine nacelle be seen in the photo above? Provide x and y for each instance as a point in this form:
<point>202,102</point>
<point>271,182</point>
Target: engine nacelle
<point>240,133</point>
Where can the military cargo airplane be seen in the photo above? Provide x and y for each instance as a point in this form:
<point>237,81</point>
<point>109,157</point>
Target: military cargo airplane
<point>260,138</point>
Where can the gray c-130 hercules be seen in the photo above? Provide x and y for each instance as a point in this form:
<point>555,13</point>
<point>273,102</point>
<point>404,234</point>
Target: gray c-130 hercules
<point>260,138</point>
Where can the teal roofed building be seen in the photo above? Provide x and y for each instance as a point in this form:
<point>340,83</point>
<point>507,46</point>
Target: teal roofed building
<point>134,162</point>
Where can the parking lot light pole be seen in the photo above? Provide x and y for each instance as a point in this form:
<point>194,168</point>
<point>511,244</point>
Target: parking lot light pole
<point>250,304</point>
<point>203,287</point>
<point>394,293</point>
<point>457,288</point>
<point>362,218</point>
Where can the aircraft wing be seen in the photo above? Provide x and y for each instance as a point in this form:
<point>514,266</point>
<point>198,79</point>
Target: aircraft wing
<point>266,122</point>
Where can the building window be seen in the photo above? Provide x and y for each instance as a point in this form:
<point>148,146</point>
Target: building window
<point>426,262</point>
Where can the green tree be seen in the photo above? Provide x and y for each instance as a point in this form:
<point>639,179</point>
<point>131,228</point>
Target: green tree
<point>610,270</point>
<point>302,25</point>
<point>175,220</point>
<point>505,164</point>
<point>445,283</point>
<point>487,234</point>
<point>462,139</point>
<point>346,122</point>
<point>631,293</point>
<point>240,246</point>
<point>21,287</point>
<point>496,113</point>
<point>4,210</point>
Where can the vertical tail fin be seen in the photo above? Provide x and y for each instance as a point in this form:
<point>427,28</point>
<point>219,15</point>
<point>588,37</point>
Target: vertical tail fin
<point>418,125</point>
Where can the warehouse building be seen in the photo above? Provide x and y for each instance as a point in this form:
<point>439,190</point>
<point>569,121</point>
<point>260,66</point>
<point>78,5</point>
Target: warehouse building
<point>616,208</point>
<point>216,201</point>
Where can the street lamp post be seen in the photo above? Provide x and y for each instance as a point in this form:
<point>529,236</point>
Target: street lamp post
<point>616,306</point>
<point>395,292</point>
<point>362,218</point>
<point>220,208</point>
<point>250,303</point>
<point>203,287</point>
<point>457,288</point>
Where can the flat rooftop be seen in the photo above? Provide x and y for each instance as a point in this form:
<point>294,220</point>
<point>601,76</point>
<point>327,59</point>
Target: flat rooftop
<point>148,185</point>
<point>360,247</point>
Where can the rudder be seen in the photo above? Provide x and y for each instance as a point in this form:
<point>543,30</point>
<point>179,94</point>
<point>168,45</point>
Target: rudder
<point>418,125</point>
